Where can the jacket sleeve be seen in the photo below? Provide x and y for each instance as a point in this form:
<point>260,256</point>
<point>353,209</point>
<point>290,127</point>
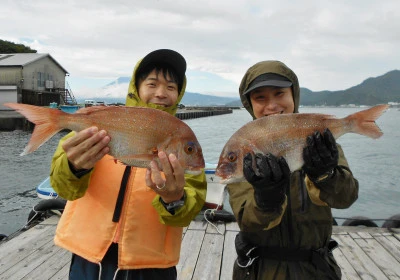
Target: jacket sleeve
<point>339,191</point>
<point>246,211</point>
<point>62,180</point>
<point>195,190</point>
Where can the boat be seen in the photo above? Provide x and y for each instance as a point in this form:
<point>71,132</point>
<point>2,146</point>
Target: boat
<point>216,206</point>
<point>45,191</point>
<point>214,209</point>
<point>69,108</point>
<point>216,193</point>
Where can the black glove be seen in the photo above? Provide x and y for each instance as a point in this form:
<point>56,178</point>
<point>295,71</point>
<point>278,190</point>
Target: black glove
<point>320,155</point>
<point>269,179</point>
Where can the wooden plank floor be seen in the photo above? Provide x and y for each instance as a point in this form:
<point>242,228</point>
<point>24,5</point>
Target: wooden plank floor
<point>207,253</point>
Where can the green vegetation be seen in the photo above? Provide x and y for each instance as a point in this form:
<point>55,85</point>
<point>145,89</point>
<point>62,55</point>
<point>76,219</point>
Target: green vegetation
<point>10,47</point>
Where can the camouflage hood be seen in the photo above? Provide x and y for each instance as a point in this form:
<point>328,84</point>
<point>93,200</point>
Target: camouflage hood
<point>269,66</point>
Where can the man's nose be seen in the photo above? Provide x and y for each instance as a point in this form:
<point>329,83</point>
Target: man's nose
<point>269,107</point>
<point>161,91</point>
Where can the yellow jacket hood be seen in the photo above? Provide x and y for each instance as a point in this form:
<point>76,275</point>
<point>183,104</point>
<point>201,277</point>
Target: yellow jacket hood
<point>133,99</point>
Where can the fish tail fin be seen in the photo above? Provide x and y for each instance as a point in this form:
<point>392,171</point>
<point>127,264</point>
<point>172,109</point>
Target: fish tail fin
<point>46,120</point>
<point>364,121</point>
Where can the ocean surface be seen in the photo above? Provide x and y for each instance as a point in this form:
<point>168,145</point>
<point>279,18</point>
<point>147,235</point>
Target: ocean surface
<point>375,163</point>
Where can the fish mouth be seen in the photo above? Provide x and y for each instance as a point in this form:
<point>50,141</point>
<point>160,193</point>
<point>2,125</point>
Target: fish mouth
<point>231,180</point>
<point>226,174</point>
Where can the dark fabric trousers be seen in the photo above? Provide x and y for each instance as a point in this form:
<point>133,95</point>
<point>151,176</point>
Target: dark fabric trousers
<point>81,269</point>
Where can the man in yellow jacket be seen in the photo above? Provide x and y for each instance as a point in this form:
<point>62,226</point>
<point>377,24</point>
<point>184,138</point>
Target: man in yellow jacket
<point>123,222</point>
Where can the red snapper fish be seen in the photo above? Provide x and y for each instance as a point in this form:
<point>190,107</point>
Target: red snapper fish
<point>137,134</point>
<point>285,135</point>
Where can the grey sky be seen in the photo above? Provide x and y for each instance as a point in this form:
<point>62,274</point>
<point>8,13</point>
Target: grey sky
<point>331,45</point>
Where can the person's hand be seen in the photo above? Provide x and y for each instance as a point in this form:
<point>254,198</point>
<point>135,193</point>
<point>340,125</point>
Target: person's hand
<point>170,185</point>
<point>86,147</point>
<point>320,154</point>
<point>269,179</point>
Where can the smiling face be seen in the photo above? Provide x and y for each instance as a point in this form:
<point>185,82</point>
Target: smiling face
<point>271,100</point>
<point>157,89</point>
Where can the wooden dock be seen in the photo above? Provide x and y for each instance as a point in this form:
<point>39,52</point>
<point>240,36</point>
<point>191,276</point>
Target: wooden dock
<point>207,254</point>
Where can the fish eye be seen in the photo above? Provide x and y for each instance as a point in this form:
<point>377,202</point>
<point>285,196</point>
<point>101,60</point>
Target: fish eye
<point>232,157</point>
<point>189,148</point>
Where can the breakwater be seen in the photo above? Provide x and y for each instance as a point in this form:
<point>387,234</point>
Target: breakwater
<point>200,112</point>
<point>11,120</point>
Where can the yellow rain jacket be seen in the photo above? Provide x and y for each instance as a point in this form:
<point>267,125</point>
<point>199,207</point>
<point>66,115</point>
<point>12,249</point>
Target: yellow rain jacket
<point>148,235</point>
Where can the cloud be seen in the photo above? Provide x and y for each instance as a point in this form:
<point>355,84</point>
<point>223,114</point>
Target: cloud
<point>331,45</point>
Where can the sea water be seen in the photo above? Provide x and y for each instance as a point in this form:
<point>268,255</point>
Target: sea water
<point>375,163</point>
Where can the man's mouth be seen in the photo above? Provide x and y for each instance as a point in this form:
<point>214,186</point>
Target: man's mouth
<point>162,104</point>
<point>277,113</point>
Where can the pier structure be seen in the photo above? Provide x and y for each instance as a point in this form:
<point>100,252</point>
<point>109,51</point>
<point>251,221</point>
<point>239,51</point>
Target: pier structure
<point>207,252</point>
<point>200,112</point>
<point>11,120</point>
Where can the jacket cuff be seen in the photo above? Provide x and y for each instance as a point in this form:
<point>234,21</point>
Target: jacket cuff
<point>172,206</point>
<point>270,200</point>
<point>78,173</point>
<point>324,177</point>
<point>314,193</point>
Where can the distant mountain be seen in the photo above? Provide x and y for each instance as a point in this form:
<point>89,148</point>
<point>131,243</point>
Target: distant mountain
<point>197,99</point>
<point>189,99</point>
<point>372,91</point>
<point>120,80</point>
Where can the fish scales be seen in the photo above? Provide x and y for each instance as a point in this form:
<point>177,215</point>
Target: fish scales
<point>285,135</point>
<point>136,133</point>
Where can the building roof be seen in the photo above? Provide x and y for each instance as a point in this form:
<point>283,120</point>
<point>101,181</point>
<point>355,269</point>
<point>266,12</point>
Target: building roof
<point>22,59</point>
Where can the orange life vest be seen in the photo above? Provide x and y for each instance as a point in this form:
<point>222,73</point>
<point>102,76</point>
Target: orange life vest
<point>86,227</point>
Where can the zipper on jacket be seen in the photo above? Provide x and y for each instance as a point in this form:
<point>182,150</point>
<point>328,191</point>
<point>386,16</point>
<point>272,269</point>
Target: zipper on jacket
<point>289,217</point>
<point>303,192</point>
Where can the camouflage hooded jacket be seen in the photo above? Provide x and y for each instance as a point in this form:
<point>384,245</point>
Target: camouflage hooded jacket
<point>305,218</point>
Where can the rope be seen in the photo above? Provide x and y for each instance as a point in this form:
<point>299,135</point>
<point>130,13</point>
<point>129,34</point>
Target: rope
<point>208,221</point>
<point>115,274</point>
<point>212,212</point>
<point>100,269</point>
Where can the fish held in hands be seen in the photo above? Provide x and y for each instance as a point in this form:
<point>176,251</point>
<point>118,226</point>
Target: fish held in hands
<point>285,136</point>
<point>137,134</point>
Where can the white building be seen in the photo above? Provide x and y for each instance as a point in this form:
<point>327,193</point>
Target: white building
<point>33,78</point>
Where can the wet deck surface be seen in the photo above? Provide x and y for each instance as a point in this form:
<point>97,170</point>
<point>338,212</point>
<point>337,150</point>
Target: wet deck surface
<point>363,253</point>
